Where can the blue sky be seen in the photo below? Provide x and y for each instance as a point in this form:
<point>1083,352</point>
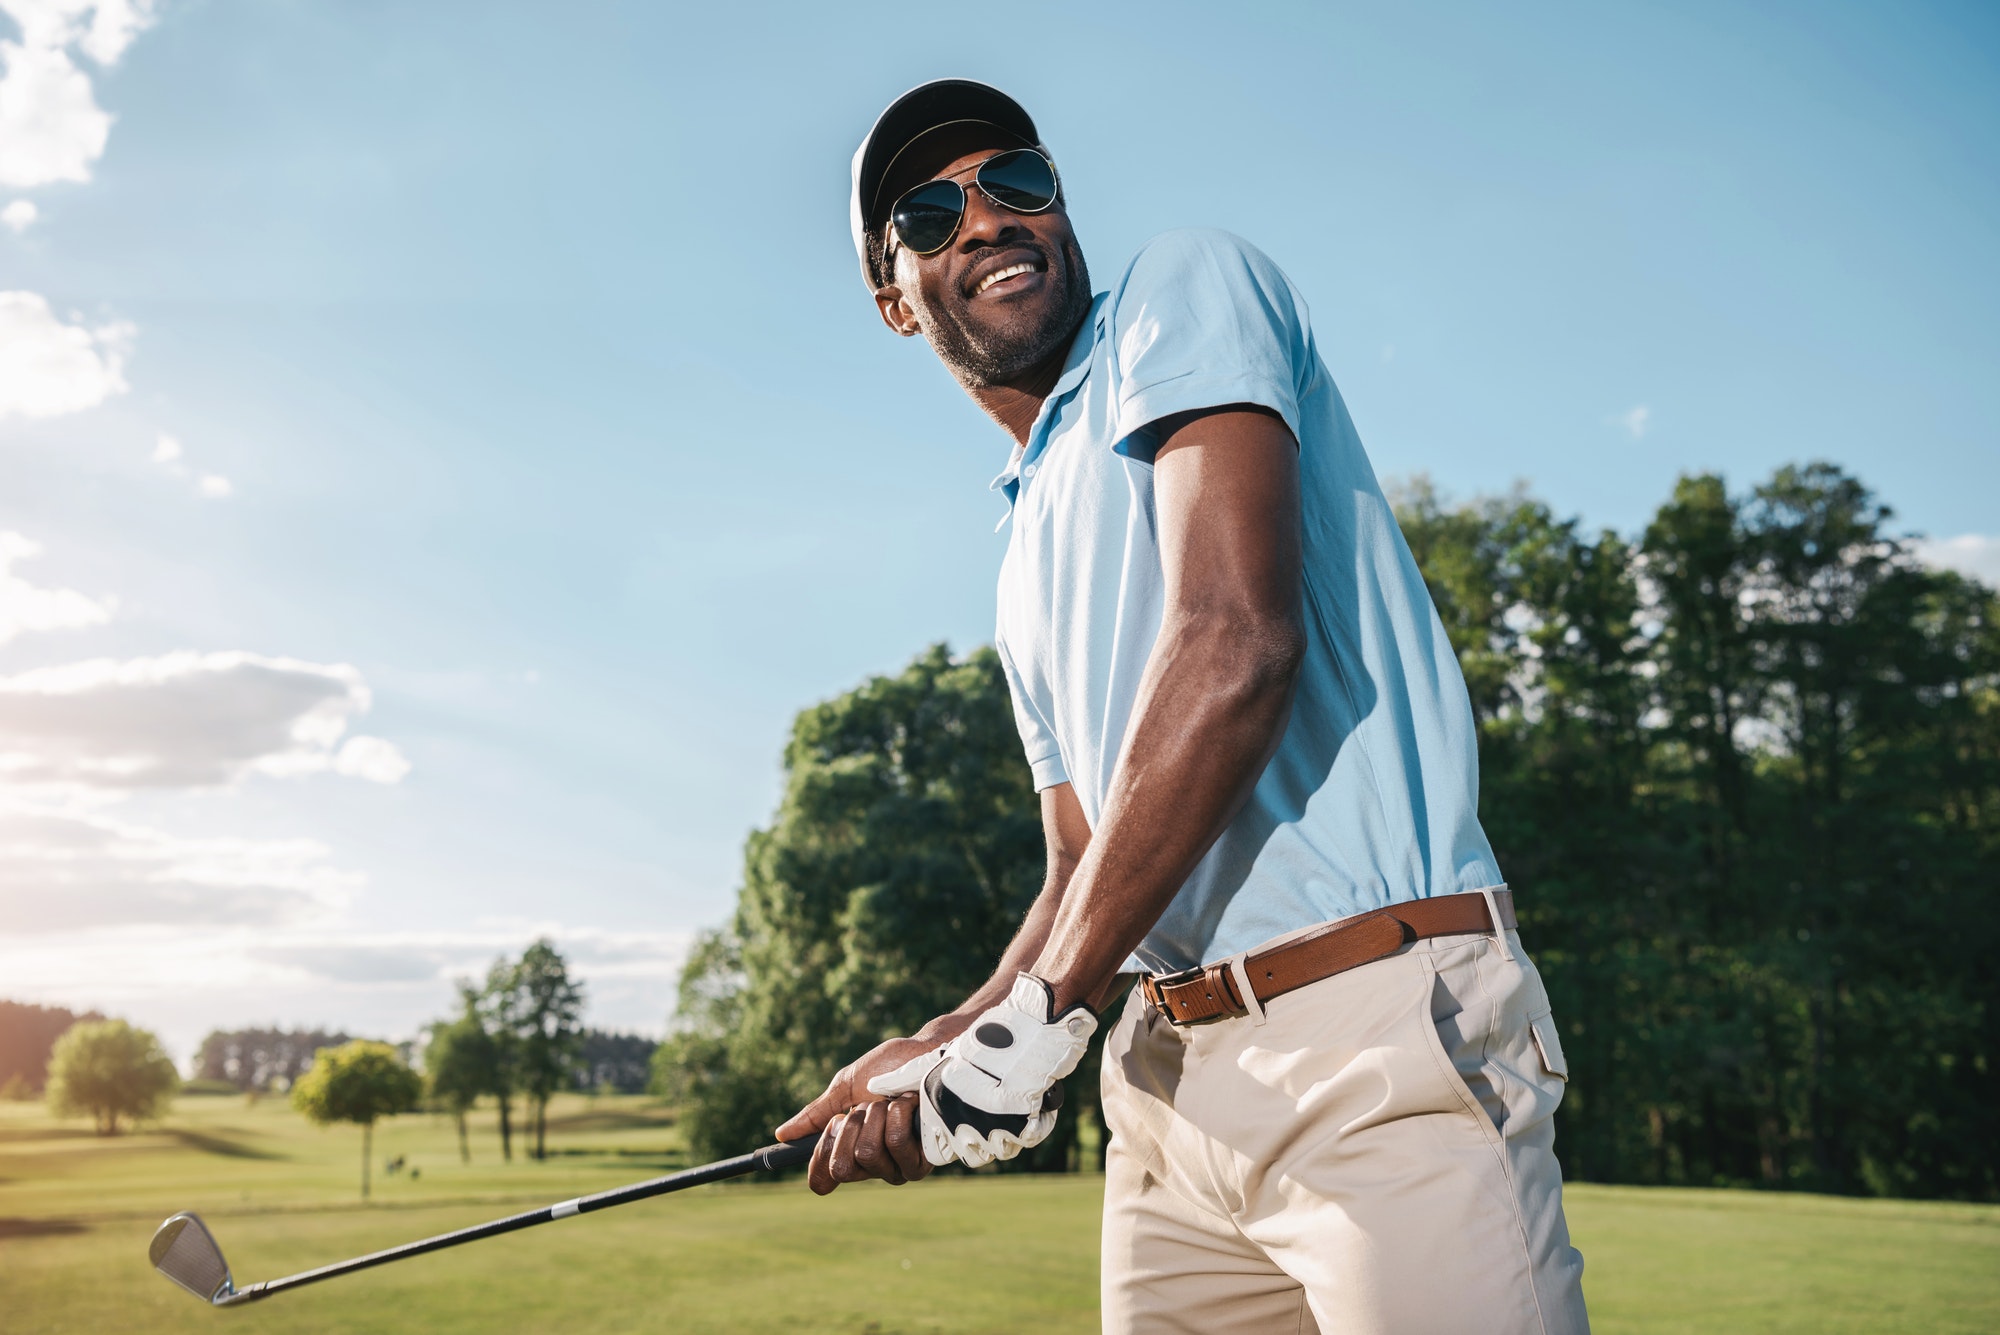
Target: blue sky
<point>495,385</point>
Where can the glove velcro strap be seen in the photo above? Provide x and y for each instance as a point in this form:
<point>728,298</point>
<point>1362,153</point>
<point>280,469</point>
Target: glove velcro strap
<point>955,1112</point>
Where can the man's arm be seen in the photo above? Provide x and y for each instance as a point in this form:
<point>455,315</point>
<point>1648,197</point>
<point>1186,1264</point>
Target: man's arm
<point>1212,707</point>
<point>876,1139</point>
<point>1216,694</point>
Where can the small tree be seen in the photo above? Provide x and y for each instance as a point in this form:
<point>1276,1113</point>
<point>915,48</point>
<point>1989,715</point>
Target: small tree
<point>462,1061</point>
<point>357,1082</point>
<point>551,1004</point>
<point>108,1069</point>
<point>498,1006</point>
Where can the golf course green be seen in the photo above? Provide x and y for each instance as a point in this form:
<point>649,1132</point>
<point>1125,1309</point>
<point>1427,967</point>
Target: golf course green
<point>76,1212</point>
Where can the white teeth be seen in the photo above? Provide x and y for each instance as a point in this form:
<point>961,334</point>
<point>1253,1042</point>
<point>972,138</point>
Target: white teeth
<point>999,274</point>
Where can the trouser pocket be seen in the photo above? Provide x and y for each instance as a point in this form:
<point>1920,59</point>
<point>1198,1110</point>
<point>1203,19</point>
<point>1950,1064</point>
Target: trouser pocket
<point>1549,1045</point>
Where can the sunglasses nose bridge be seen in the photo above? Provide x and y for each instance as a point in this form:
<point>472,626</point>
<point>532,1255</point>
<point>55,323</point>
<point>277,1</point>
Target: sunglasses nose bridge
<point>986,221</point>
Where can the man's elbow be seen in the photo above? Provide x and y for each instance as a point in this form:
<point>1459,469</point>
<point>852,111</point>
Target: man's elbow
<point>1280,654</point>
<point>1265,653</point>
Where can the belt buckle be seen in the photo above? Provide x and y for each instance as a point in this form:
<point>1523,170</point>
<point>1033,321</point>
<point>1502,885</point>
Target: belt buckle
<point>1157,983</point>
<point>1213,974</point>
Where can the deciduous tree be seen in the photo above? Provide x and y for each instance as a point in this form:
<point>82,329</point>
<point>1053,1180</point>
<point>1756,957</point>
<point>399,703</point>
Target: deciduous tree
<point>461,1062</point>
<point>360,1082</point>
<point>106,1069</point>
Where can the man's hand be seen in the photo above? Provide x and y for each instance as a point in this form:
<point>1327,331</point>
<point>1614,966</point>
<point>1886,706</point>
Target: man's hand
<point>991,1092</point>
<point>865,1137</point>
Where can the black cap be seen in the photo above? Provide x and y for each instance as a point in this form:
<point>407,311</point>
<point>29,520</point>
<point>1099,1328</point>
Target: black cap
<point>924,108</point>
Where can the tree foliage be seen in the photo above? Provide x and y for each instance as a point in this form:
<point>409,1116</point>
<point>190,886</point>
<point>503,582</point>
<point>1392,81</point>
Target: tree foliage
<point>261,1060</point>
<point>105,1070</point>
<point>1743,775</point>
<point>905,850</point>
<point>461,1062</point>
<point>518,1033</point>
<point>606,1059</point>
<point>28,1034</point>
<point>360,1082</point>
<point>548,1013</point>
<point>1742,770</point>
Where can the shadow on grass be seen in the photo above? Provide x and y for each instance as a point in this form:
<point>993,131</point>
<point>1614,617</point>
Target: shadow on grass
<point>40,1228</point>
<point>230,1149</point>
<point>604,1119</point>
<point>24,1137</point>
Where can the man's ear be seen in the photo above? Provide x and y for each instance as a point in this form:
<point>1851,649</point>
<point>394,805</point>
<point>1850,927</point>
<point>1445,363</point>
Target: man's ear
<point>896,310</point>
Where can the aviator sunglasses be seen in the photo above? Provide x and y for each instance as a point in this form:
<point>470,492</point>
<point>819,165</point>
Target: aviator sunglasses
<point>926,217</point>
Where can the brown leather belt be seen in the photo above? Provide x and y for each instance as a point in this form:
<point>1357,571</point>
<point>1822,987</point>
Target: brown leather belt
<point>1196,996</point>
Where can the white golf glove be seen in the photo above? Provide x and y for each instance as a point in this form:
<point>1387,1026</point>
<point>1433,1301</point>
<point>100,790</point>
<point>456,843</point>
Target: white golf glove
<point>991,1092</point>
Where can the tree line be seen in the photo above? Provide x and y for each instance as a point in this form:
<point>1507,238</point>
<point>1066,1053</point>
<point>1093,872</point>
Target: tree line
<point>28,1035</point>
<point>517,1038</point>
<point>1742,770</point>
<point>262,1060</point>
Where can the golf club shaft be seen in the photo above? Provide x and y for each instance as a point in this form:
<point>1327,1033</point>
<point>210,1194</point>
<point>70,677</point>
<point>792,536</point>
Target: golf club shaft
<point>788,1154</point>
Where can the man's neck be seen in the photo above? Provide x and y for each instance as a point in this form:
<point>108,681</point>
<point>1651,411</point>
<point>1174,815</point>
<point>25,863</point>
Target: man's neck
<point>1016,404</point>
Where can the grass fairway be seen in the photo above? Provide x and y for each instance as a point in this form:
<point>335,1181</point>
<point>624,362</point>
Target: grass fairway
<point>76,1212</point>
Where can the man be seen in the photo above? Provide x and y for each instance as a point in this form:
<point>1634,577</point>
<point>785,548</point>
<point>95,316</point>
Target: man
<point>1330,1096</point>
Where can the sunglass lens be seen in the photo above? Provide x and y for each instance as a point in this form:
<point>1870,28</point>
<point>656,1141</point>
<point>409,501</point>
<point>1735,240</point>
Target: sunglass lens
<point>1022,180</point>
<point>926,217</point>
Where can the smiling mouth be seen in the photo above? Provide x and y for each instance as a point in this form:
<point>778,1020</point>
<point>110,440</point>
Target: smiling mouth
<point>1002,275</point>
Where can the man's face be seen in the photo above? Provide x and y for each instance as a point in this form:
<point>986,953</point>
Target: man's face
<point>989,329</point>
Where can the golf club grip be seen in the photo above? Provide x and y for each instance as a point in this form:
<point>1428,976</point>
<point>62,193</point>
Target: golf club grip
<point>785,1154</point>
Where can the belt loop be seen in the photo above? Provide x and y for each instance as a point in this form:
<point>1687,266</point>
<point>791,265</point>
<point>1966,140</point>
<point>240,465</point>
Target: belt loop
<point>1493,916</point>
<point>1241,973</point>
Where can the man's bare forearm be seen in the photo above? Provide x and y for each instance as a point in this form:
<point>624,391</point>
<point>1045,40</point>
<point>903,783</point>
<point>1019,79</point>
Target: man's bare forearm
<point>1020,955</point>
<point>1215,702</point>
<point>1216,693</point>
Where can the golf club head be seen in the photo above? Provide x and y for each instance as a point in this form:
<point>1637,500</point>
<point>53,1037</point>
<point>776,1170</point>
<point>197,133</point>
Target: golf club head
<point>185,1252</point>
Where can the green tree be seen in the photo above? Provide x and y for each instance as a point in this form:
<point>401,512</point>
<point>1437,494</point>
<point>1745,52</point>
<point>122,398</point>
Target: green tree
<point>905,850</point>
<point>548,1013</point>
<point>498,1006</point>
<point>1742,774</point>
<point>106,1069</point>
<point>461,1062</point>
<point>358,1082</point>
<point>1742,770</point>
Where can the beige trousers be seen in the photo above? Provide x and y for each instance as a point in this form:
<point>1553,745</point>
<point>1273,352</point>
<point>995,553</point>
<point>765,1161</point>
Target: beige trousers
<point>1374,1153</point>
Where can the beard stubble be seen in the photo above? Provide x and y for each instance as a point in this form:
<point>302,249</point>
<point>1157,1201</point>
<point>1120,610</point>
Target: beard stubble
<point>981,358</point>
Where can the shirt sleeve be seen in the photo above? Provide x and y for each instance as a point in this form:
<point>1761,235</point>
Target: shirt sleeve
<point>1038,739</point>
<point>1202,319</point>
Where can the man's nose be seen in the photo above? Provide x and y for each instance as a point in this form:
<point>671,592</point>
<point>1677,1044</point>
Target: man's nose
<point>986,223</point>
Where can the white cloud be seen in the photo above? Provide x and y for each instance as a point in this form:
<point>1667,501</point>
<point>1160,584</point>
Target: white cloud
<point>28,607</point>
<point>166,450</point>
<point>183,979</point>
<point>20,215</point>
<point>184,720</point>
<point>1634,420</point>
<point>48,368</point>
<point>371,758</point>
<point>216,487</point>
<point>66,870</point>
<point>51,128</point>
<point>1974,554</point>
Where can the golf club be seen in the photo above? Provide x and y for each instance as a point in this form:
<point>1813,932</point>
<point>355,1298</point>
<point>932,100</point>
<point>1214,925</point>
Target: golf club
<point>186,1252</point>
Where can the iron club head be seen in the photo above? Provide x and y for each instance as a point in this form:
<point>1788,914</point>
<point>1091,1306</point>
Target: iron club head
<point>185,1252</point>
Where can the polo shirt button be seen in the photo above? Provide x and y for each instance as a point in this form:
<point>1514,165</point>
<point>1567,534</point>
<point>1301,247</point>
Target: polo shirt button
<point>1030,469</point>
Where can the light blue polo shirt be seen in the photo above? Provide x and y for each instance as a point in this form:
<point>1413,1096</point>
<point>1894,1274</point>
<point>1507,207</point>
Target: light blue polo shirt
<point>1373,795</point>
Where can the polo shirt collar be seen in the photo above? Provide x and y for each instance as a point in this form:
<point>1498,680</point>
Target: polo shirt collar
<point>1076,369</point>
